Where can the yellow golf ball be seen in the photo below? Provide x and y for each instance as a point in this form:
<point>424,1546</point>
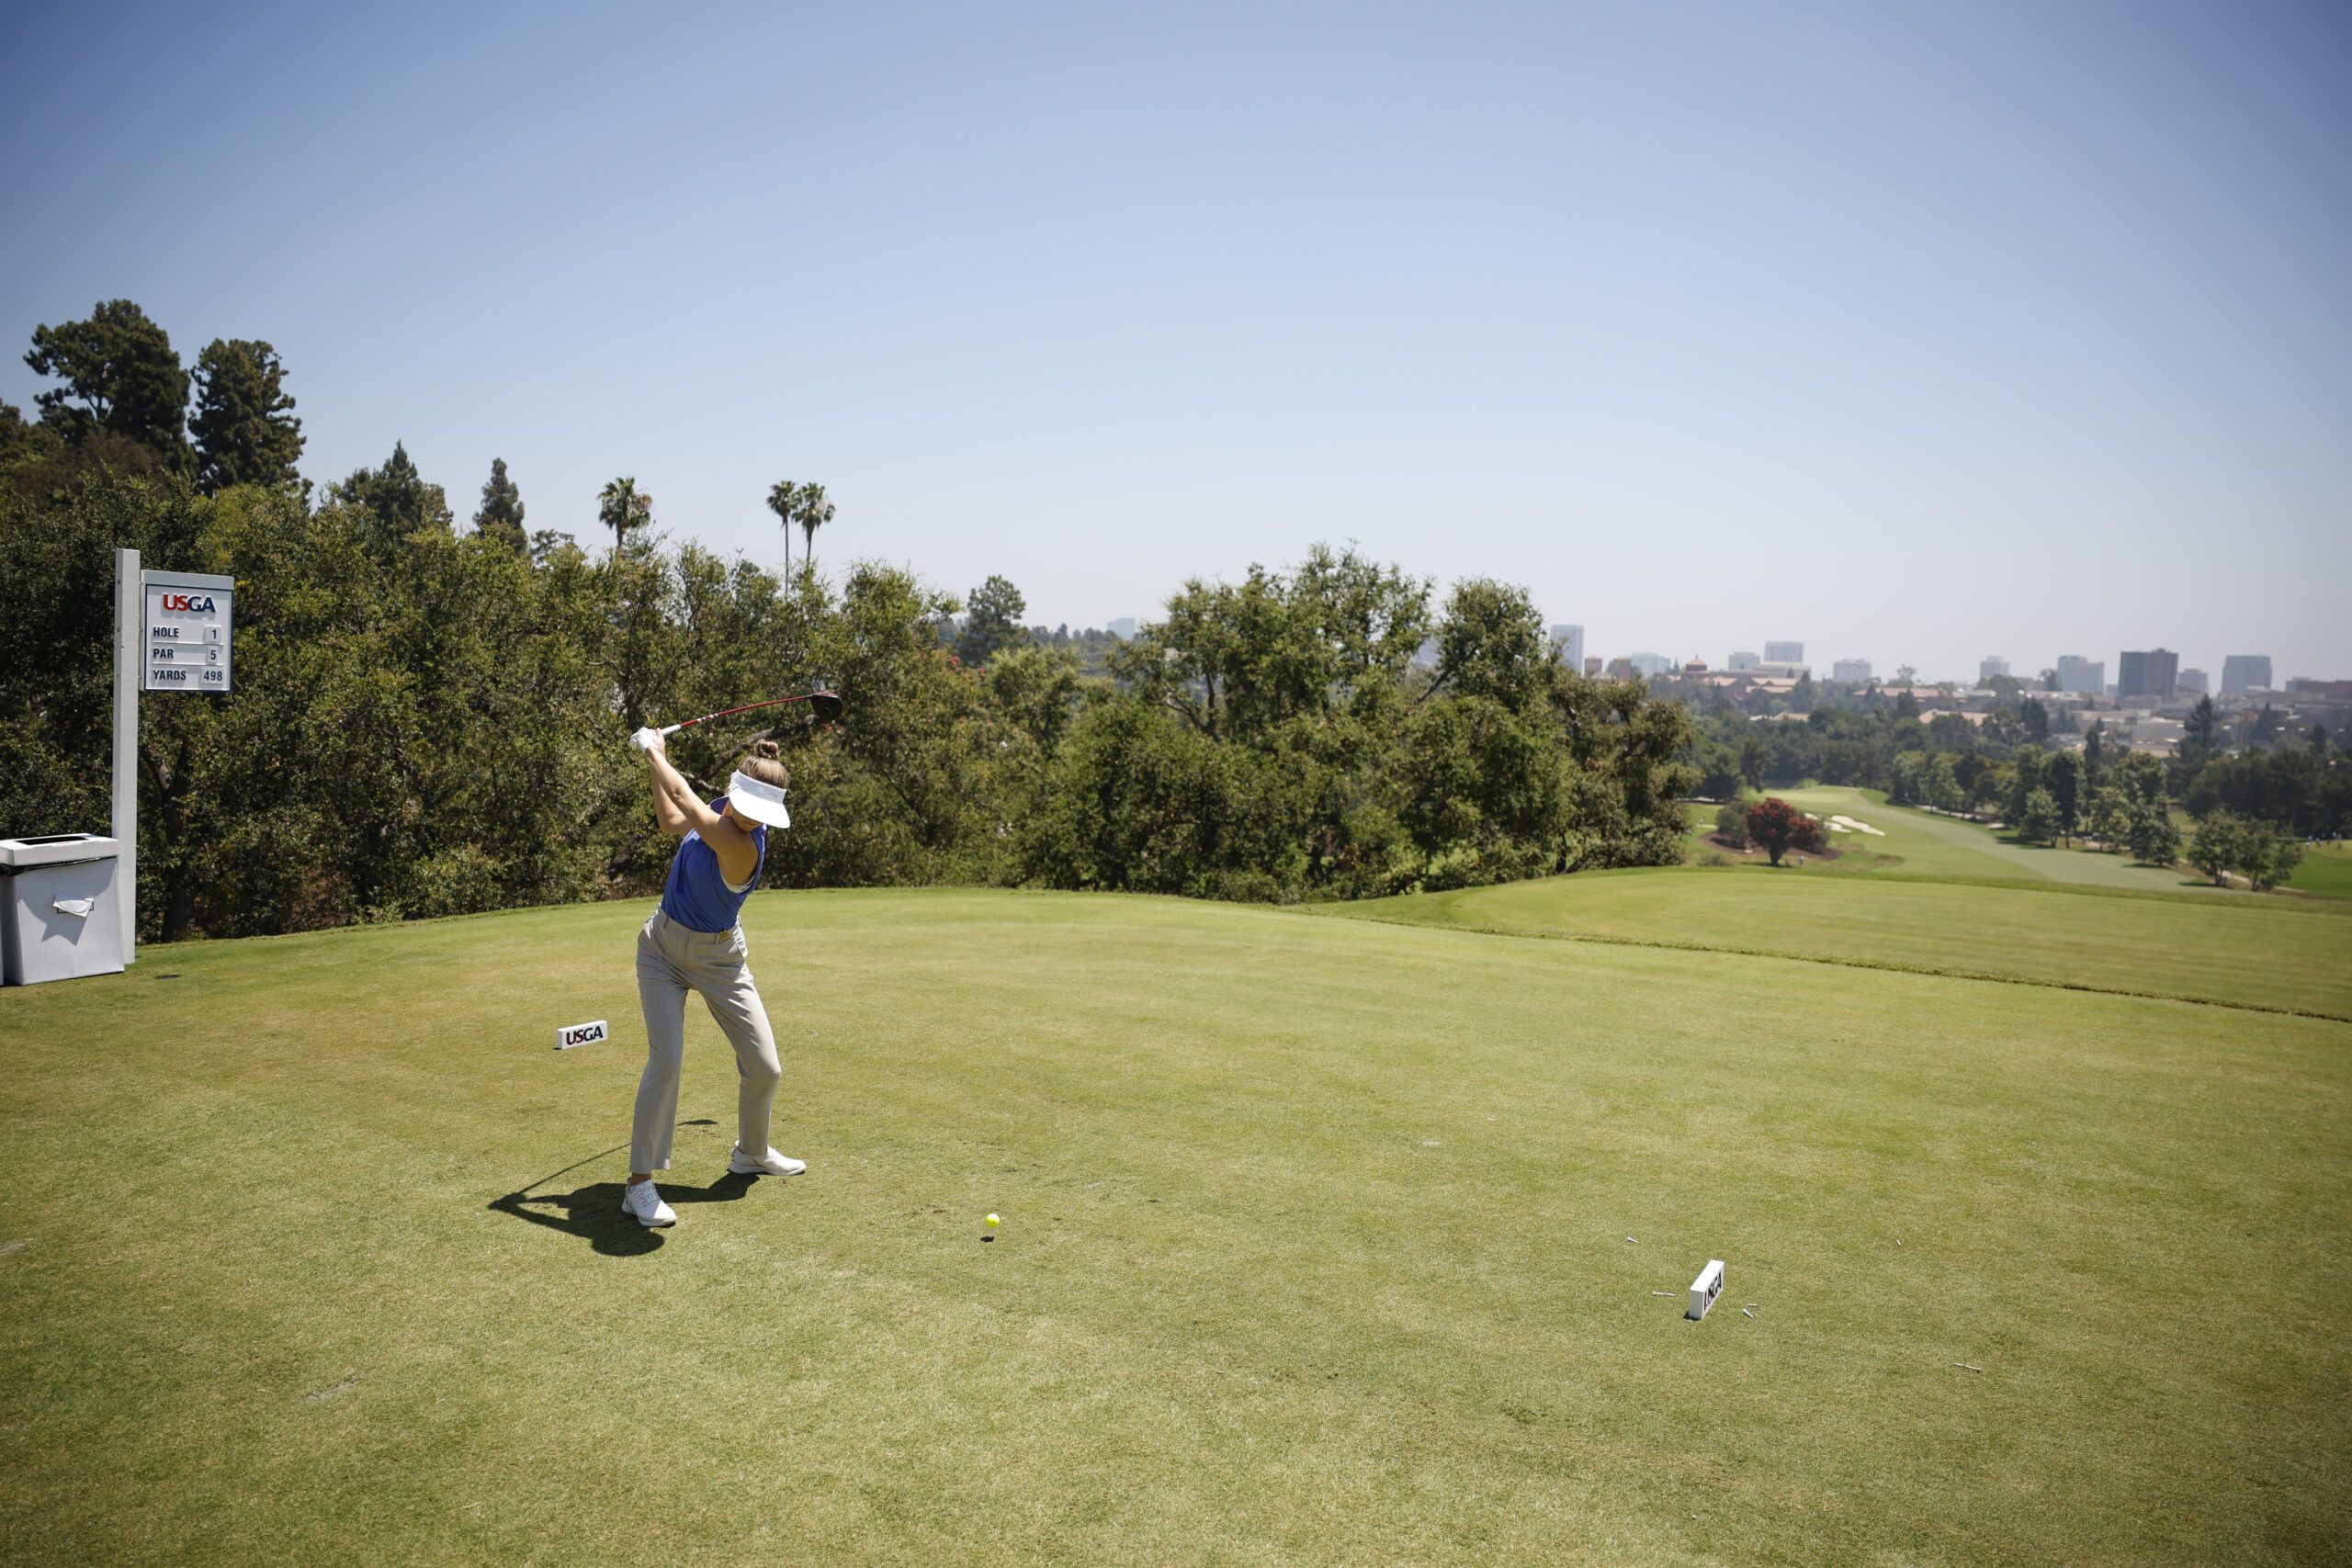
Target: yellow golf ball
<point>990,1222</point>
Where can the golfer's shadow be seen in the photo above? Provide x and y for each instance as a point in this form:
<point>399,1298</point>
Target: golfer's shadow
<point>593,1212</point>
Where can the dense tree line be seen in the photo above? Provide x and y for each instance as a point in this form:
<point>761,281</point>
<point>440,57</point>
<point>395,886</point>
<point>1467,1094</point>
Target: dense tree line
<point>429,718</point>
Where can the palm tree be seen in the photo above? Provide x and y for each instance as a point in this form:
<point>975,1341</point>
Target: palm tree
<point>815,513</point>
<point>620,508</point>
<point>803,505</point>
<point>780,502</point>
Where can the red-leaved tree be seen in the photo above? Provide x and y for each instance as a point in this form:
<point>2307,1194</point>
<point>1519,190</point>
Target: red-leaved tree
<point>1780,827</point>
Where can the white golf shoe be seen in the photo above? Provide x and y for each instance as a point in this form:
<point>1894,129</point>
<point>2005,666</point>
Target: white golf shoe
<point>639,1199</point>
<point>768,1164</point>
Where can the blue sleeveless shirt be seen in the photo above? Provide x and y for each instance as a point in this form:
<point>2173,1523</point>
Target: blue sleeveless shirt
<point>696,896</point>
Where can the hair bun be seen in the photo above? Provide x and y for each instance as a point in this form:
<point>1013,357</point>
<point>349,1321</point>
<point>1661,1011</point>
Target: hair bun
<point>767,749</point>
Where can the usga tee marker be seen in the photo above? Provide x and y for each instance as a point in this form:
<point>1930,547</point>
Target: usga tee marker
<point>1705,1289</point>
<point>573,1034</point>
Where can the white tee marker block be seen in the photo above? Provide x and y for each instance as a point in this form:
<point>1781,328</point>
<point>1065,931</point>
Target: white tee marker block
<point>1705,1289</point>
<point>573,1034</point>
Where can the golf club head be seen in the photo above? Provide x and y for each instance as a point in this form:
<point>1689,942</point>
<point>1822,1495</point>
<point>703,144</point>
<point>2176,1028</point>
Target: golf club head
<point>825,707</point>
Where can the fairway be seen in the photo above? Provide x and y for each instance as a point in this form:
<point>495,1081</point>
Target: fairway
<point>2327,872</point>
<point>1325,1240</point>
<point>2269,952</point>
<point>1923,843</point>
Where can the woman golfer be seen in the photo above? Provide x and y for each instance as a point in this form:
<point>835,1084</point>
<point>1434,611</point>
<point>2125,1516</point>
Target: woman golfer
<point>692,943</point>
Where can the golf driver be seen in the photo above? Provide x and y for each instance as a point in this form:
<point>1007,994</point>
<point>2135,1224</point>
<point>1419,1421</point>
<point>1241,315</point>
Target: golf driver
<point>824,708</point>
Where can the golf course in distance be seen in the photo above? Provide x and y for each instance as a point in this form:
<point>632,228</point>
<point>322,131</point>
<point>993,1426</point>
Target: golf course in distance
<point>1325,1239</point>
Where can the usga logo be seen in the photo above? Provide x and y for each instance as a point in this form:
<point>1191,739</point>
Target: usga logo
<point>200,603</point>
<point>573,1034</point>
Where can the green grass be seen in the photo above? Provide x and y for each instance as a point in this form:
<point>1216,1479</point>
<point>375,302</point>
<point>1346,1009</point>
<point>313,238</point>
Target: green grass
<point>1922,844</point>
<point>2326,873</point>
<point>1316,1249</point>
<point>2244,951</point>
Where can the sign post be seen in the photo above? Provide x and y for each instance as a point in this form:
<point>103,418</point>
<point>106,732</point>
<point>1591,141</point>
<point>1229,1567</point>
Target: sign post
<point>171,634</point>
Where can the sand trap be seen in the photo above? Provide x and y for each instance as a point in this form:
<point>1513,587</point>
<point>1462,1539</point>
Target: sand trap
<point>1839,827</point>
<point>1845,824</point>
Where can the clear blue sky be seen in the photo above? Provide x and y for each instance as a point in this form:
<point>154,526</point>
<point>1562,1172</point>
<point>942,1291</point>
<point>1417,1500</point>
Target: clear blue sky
<point>1913,332</point>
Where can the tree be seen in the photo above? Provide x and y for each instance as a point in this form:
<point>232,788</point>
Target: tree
<point>244,433</point>
<point>2214,848</point>
<point>2094,753</point>
<point>2025,777</point>
<point>2036,719</point>
<point>992,621</point>
<point>1492,643</point>
<point>2063,779</point>
<point>398,502</point>
<point>2266,725</point>
<point>2041,821</point>
<point>501,517</point>
<point>2267,857</point>
<point>2109,819</point>
<point>2153,838</point>
<point>622,509</point>
<point>1779,827</point>
<point>2200,742</point>
<point>120,375</point>
<point>1730,824</point>
<point>801,506</point>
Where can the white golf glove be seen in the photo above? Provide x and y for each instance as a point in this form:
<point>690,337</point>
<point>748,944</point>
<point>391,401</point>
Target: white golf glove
<point>648,740</point>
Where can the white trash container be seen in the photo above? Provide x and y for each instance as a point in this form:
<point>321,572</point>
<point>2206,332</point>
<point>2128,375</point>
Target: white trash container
<point>61,920</point>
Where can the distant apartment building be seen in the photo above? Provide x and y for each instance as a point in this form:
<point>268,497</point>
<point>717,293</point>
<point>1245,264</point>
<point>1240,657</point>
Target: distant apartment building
<point>1784,653</point>
<point>1621,669</point>
<point>1741,661</point>
<point>1853,670</point>
<point>2148,672</point>
<point>2245,672</point>
<point>1648,664</point>
<point>1990,667</point>
<point>2077,673</point>
<point>2193,684</point>
<point>1592,664</point>
<point>1123,628</point>
<point>1570,640</point>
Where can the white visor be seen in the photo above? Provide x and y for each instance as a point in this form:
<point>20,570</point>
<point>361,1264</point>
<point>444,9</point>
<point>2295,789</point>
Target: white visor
<point>759,802</point>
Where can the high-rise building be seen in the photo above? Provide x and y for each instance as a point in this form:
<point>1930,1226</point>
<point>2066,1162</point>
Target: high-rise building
<point>1592,665</point>
<point>1740,661</point>
<point>1856,671</point>
<point>2077,673</point>
<point>1123,628</point>
<point>1990,669</point>
<point>1650,663</point>
<point>1570,640</point>
<point>2148,672</point>
<point>2193,684</point>
<point>2245,672</point>
<point>1784,653</point>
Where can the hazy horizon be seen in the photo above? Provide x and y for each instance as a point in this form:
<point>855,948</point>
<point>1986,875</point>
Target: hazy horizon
<point>1913,337</point>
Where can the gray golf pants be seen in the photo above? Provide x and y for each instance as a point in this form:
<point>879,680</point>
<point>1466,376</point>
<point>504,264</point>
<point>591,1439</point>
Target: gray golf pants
<point>672,960</point>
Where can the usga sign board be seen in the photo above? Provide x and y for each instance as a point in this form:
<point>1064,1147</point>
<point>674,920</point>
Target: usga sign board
<point>186,643</point>
<point>573,1034</point>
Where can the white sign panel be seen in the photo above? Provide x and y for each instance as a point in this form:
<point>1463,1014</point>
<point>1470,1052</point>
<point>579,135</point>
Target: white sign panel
<point>573,1034</point>
<point>186,645</point>
<point>1705,1289</point>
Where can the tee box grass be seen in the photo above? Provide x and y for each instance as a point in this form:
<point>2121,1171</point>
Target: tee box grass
<point>1324,1240</point>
